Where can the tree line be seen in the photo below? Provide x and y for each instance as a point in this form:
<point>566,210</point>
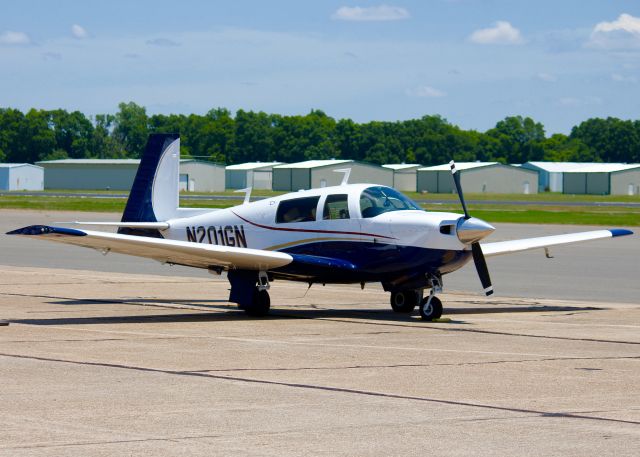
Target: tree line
<point>222,137</point>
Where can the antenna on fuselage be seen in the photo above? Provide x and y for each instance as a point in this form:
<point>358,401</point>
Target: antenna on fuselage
<point>247,194</point>
<point>345,178</point>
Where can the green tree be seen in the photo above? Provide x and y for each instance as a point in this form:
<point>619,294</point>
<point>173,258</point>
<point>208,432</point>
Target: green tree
<point>253,137</point>
<point>561,148</point>
<point>56,154</point>
<point>131,128</point>
<point>11,128</point>
<point>519,138</point>
<point>104,145</point>
<point>610,140</point>
<point>37,138</point>
<point>73,132</point>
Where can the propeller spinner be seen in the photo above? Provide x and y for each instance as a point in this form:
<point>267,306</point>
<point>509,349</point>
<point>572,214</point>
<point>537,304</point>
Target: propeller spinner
<point>471,230</point>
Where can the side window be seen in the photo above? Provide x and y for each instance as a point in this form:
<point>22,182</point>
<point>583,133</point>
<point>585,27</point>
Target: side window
<point>336,207</point>
<point>297,210</point>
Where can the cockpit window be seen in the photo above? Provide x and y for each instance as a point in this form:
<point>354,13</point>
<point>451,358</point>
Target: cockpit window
<point>380,199</point>
<point>297,210</point>
<point>336,207</point>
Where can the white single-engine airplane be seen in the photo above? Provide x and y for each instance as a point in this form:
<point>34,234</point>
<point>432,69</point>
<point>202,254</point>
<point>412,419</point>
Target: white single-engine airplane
<point>352,233</point>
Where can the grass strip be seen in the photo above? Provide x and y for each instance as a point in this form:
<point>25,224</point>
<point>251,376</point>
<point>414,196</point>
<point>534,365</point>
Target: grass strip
<point>556,214</point>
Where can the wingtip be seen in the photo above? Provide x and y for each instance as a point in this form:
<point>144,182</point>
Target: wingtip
<point>45,230</point>
<point>620,232</point>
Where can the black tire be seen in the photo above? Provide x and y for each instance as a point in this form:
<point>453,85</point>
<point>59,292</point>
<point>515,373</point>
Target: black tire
<point>260,305</point>
<point>404,301</point>
<point>431,311</point>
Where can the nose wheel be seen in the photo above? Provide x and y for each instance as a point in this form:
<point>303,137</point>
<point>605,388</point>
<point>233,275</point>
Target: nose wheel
<point>430,308</point>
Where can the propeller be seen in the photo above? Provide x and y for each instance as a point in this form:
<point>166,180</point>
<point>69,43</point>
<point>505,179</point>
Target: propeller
<point>471,230</point>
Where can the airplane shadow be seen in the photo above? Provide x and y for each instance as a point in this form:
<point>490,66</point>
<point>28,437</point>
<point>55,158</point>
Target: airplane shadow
<point>215,312</point>
<point>134,301</point>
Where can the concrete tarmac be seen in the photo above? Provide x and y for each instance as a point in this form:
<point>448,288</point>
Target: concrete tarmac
<point>100,360</point>
<point>103,363</point>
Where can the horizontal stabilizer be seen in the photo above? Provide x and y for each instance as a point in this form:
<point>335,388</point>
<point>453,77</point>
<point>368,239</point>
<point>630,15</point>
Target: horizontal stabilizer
<point>508,247</point>
<point>140,225</point>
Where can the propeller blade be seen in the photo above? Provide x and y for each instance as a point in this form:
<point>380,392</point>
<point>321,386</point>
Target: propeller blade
<point>481,267</point>
<point>456,181</point>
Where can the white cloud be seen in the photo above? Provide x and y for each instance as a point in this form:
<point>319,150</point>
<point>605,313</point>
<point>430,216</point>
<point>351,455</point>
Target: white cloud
<point>14,38</point>
<point>426,92</point>
<point>617,77</point>
<point>372,13</point>
<point>622,33</point>
<point>625,22</point>
<point>79,32</point>
<point>580,101</point>
<point>547,77</point>
<point>163,43</point>
<point>501,33</point>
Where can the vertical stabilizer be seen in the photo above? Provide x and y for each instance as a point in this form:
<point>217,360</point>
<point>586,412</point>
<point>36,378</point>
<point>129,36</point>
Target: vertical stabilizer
<point>154,196</point>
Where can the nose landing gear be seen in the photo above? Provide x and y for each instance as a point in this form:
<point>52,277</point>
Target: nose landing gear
<point>431,306</point>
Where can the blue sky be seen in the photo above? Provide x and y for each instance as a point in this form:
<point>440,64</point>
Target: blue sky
<point>472,61</point>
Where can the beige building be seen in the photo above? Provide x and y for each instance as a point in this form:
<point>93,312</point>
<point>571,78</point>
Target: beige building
<point>479,177</point>
<point>201,176</point>
<point>405,176</point>
<point>323,173</point>
<point>603,179</point>
<point>118,174</point>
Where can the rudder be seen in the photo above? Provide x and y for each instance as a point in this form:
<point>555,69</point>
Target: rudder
<point>154,196</point>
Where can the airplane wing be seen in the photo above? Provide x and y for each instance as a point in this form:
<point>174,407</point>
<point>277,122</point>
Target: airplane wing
<point>508,247</point>
<point>165,251</point>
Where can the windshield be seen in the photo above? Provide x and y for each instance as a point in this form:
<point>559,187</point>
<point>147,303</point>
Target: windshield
<point>380,199</point>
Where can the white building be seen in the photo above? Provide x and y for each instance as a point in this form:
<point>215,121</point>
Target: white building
<point>551,174</point>
<point>21,176</point>
<point>322,173</point>
<point>405,176</point>
<point>479,177</point>
<point>603,179</point>
<point>257,175</point>
<point>118,174</point>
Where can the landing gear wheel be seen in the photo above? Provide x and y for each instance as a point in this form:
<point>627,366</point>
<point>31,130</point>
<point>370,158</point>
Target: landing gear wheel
<point>404,301</point>
<point>430,310</point>
<point>260,304</point>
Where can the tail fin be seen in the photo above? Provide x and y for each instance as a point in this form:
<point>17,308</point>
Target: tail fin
<point>154,196</point>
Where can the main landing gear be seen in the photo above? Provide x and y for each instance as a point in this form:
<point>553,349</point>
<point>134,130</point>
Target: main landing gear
<point>405,301</point>
<point>260,301</point>
<point>249,289</point>
<point>430,307</point>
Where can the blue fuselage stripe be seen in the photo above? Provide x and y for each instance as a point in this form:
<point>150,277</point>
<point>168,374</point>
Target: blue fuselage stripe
<point>348,261</point>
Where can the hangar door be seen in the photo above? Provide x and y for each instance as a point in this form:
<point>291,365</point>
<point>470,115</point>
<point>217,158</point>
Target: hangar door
<point>598,183</point>
<point>184,182</point>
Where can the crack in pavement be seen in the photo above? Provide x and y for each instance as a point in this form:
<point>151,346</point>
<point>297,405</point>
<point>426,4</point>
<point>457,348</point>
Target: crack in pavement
<point>92,340</point>
<point>93,443</point>
<point>315,387</point>
<point>421,365</point>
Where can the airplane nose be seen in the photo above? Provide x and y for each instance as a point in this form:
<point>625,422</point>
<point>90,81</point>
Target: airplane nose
<point>473,229</point>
